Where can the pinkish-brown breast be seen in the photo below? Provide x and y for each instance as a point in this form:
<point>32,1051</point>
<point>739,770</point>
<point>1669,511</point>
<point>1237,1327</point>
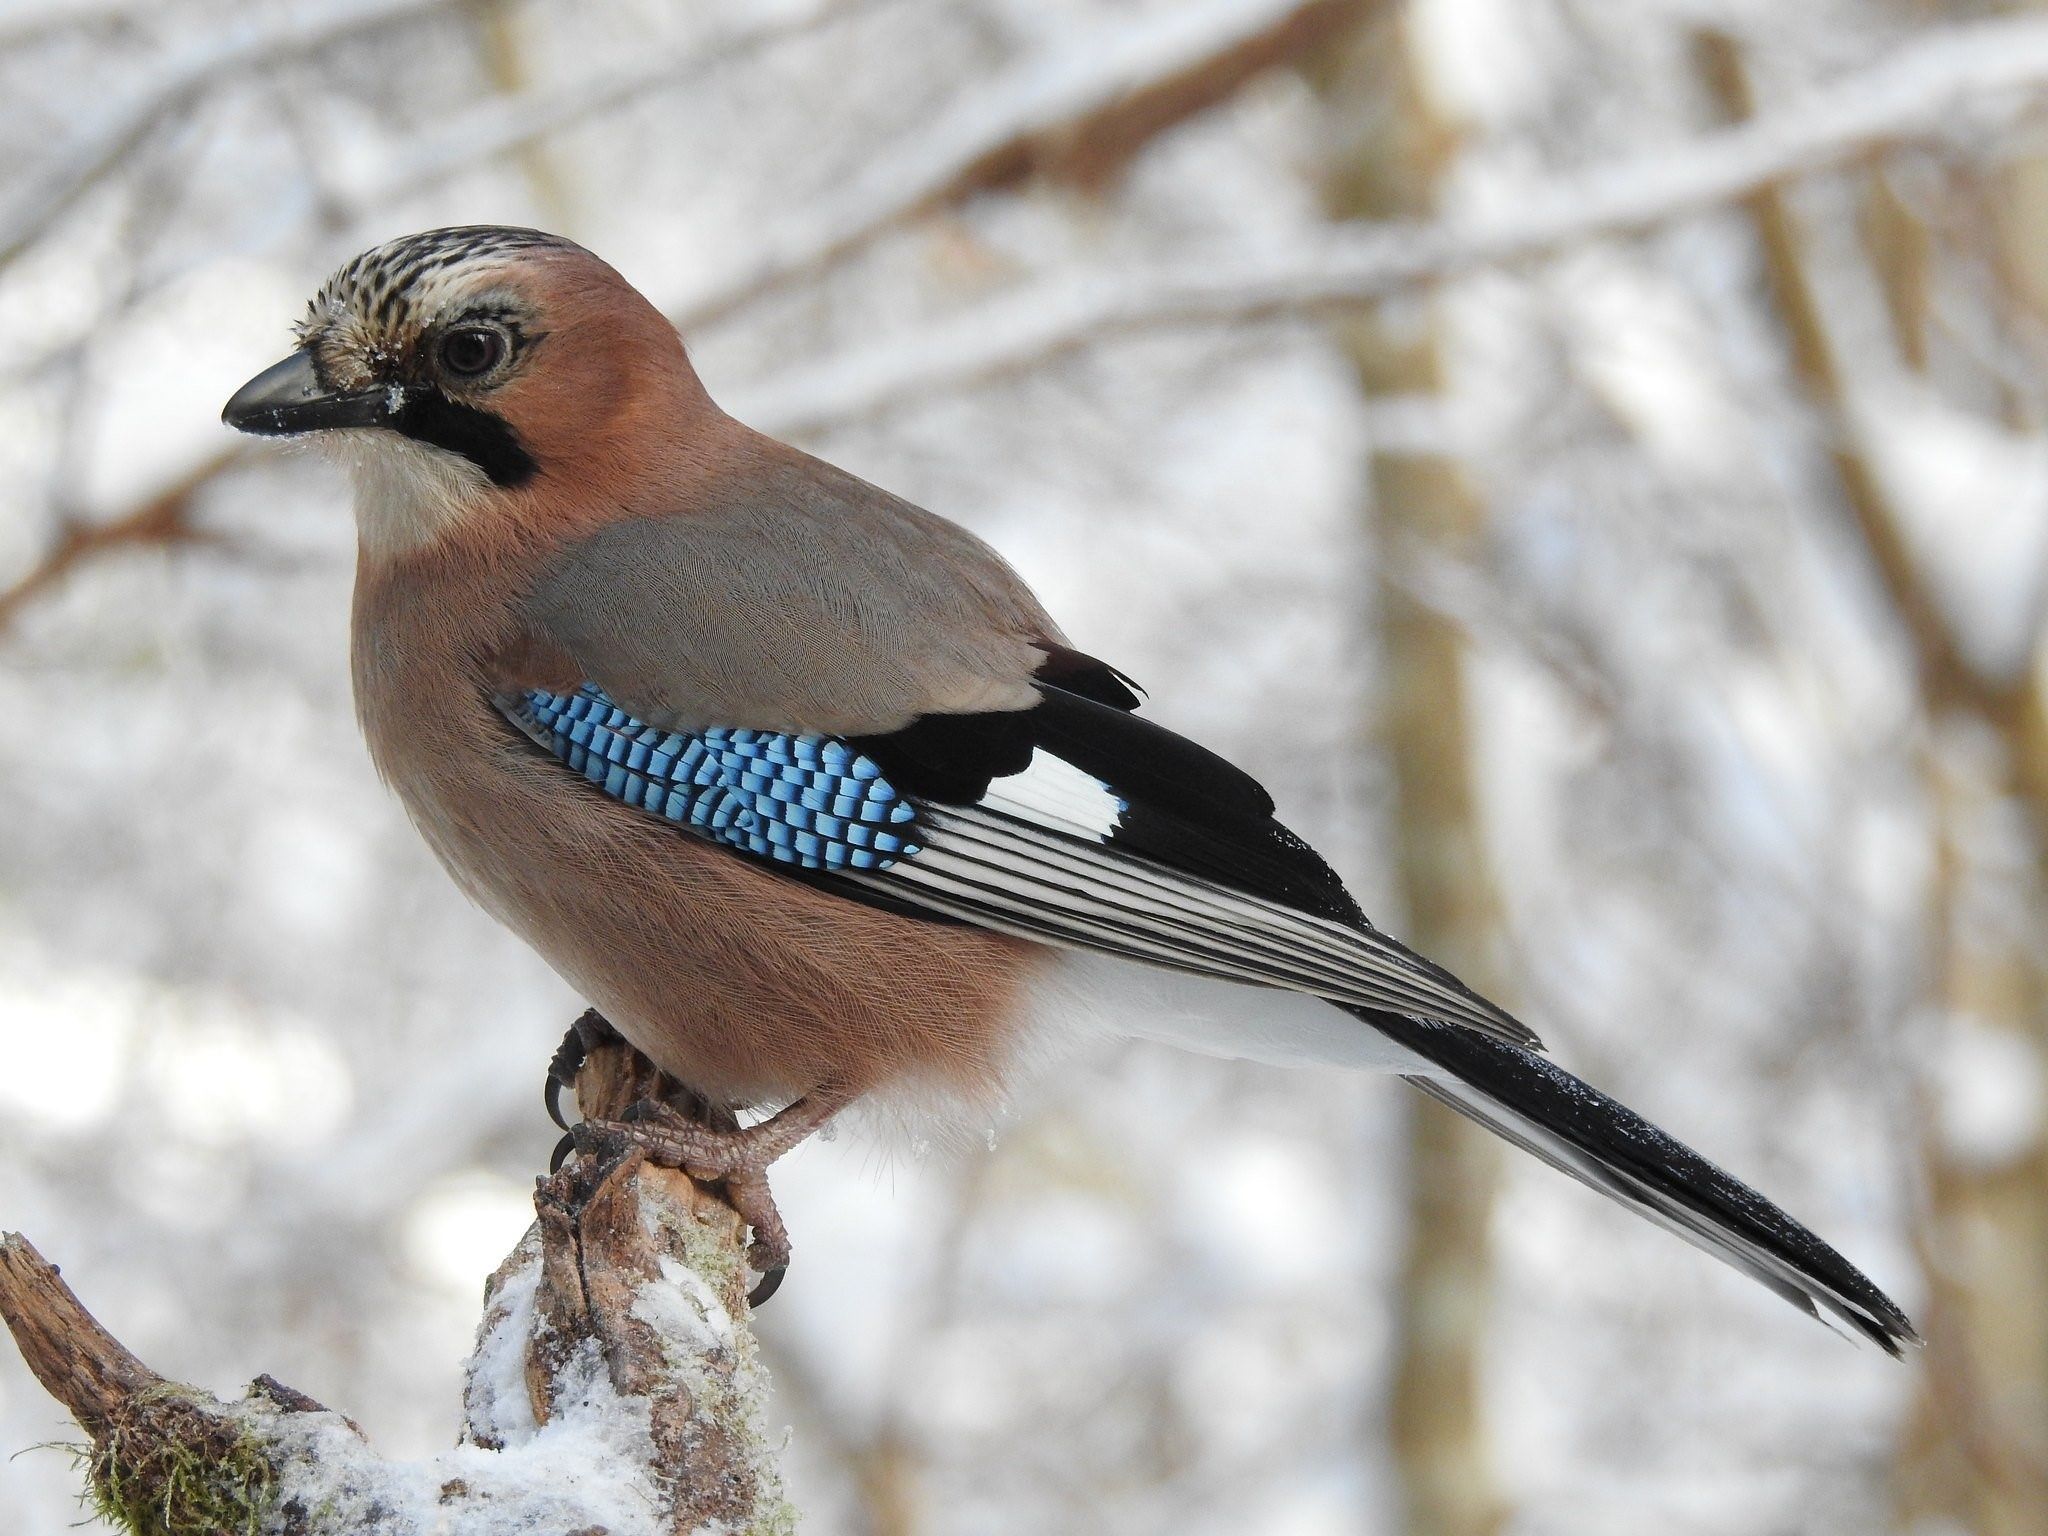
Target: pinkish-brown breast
<point>745,984</point>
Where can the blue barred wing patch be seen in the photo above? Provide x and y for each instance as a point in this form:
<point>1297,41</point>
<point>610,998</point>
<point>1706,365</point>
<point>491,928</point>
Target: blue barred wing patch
<point>807,801</point>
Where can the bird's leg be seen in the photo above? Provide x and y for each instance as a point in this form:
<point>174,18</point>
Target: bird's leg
<point>711,1151</point>
<point>589,1032</point>
<point>686,1130</point>
<point>736,1157</point>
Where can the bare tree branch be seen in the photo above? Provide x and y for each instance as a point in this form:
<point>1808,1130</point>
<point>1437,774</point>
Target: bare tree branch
<point>165,518</point>
<point>1913,96</point>
<point>78,1362</point>
<point>1077,112</point>
<point>59,181</point>
<point>614,1387</point>
<point>1946,671</point>
<point>26,25</point>
<point>510,124</point>
<point>1074,113</point>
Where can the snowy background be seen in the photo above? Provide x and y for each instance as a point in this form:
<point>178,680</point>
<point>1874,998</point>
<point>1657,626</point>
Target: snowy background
<point>1678,370</point>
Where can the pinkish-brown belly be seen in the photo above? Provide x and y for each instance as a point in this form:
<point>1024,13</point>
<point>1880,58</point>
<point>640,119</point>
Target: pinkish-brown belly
<point>745,984</point>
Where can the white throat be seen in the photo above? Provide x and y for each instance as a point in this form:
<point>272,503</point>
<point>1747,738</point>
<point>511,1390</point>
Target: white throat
<point>407,492</point>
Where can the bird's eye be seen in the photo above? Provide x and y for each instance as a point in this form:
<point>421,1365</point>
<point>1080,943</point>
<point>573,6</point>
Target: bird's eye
<point>471,350</point>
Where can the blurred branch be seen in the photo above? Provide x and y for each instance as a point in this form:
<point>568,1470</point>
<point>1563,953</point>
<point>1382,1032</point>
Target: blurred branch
<point>163,520</point>
<point>1946,673</point>
<point>1901,252</point>
<point>1913,96</point>
<point>72,169</point>
<point>513,124</point>
<point>618,1323</point>
<point>1076,113</point>
<point>1948,677</point>
<point>1974,1453</point>
<point>25,25</point>
<point>1972,1456</point>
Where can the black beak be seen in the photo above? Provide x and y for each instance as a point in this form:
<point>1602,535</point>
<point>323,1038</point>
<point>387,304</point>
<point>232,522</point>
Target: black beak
<point>289,398</point>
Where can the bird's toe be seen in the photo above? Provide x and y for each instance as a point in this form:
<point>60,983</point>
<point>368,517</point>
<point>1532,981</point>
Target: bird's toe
<point>590,1031</point>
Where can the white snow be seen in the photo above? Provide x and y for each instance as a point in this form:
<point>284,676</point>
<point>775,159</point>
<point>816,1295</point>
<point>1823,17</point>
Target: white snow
<point>589,1465</point>
<point>586,1466</point>
<point>686,1310</point>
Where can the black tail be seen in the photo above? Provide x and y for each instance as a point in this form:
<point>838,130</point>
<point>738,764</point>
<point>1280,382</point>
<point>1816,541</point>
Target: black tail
<point>1543,1109</point>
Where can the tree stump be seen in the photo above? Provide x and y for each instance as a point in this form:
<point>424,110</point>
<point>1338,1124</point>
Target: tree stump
<point>614,1389</point>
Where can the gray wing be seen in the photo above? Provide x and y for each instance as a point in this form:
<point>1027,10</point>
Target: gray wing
<point>796,597</point>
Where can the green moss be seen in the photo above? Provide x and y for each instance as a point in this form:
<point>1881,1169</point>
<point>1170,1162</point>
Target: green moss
<point>731,1392</point>
<point>171,1466</point>
<point>706,1248</point>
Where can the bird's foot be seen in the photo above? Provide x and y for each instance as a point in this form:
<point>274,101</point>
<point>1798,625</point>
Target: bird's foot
<point>684,1130</point>
<point>735,1158</point>
<point>747,1193</point>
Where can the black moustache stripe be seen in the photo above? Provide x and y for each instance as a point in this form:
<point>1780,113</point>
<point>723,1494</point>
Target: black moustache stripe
<point>487,441</point>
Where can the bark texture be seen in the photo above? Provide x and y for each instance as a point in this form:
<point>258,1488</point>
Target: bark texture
<point>614,1389</point>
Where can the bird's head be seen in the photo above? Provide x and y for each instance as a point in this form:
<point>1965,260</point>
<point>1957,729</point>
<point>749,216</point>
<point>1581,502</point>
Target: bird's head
<point>457,370</point>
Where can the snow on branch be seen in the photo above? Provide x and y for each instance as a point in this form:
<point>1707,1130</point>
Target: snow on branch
<point>1918,94</point>
<point>72,169</point>
<point>1078,110</point>
<point>614,1389</point>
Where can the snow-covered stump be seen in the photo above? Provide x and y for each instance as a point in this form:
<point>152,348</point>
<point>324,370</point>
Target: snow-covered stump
<point>614,1389</point>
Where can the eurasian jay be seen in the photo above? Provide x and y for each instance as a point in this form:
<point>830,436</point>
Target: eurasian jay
<point>798,783</point>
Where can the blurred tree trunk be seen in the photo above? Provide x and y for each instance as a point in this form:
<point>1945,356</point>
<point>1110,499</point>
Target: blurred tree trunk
<point>1975,1454</point>
<point>501,45</point>
<point>1390,148</point>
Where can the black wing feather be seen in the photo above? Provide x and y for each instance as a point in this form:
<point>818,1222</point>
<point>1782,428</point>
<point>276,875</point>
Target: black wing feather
<point>1574,1127</point>
<point>1187,810</point>
<point>1079,673</point>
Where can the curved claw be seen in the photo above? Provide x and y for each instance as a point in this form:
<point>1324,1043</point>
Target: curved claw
<point>590,1030</point>
<point>561,1153</point>
<point>767,1285</point>
<point>551,1096</point>
<point>562,1069</point>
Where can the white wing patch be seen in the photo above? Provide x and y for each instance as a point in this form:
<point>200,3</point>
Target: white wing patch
<point>1052,792</point>
<point>1037,857</point>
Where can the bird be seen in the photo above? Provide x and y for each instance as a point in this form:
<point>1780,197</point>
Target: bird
<point>801,787</point>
